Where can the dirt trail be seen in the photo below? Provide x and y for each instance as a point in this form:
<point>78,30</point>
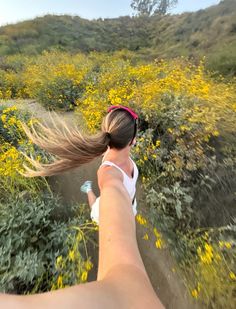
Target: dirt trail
<point>159,263</point>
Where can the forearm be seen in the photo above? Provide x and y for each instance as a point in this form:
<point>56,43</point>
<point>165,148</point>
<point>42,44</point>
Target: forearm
<point>117,233</point>
<point>120,263</point>
<point>89,295</point>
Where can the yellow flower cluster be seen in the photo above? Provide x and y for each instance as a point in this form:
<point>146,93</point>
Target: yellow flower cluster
<point>206,256</point>
<point>9,119</point>
<point>195,292</point>
<point>232,276</point>
<point>212,272</point>
<point>10,162</point>
<point>146,150</point>
<point>159,240</point>
<point>146,86</point>
<point>225,244</point>
<point>72,262</point>
<point>141,220</point>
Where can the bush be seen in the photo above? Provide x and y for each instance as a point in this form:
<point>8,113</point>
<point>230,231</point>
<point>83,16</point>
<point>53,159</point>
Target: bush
<point>223,61</point>
<point>56,80</point>
<point>59,93</point>
<point>42,246</point>
<point>12,85</point>
<point>33,237</point>
<point>12,142</point>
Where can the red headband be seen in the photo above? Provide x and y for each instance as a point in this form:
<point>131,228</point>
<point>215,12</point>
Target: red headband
<point>129,110</point>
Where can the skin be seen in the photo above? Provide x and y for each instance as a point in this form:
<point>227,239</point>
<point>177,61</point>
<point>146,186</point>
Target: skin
<point>120,158</point>
<point>122,281</point>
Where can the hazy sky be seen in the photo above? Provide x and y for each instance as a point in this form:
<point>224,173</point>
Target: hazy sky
<point>17,10</point>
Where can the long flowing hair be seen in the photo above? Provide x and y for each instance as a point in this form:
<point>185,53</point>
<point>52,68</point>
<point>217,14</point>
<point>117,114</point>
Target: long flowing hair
<point>72,148</point>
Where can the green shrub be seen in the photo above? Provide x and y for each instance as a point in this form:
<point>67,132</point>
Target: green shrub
<point>59,93</point>
<point>12,142</point>
<point>33,235</point>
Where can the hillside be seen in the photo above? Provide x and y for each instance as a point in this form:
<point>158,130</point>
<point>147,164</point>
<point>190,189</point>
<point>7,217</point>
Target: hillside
<point>210,33</point>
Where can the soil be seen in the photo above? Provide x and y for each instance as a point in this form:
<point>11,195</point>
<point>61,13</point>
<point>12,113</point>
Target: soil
<point>159,263</point>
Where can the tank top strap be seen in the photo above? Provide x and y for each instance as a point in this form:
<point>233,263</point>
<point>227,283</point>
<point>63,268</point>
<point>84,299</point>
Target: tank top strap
<point>112,164</point>
<point>135,169</point>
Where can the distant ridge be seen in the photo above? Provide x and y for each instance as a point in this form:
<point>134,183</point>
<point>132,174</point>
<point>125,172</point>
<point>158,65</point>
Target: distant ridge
<point>210,32</point>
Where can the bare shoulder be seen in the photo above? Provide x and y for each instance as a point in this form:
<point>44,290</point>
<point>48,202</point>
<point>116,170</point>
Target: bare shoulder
<point>109,174</point>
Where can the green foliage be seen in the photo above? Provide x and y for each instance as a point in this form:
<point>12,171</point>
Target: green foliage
<point>209,266</point>
<point>56,79</point>
<point>60,93</point>
<point>223,61</point>
<point>11,87</point>
<point>13,141</point>
<point>152,7</point>
<point>35,229</point>
<point>33,235</point>
<point>12,133</point>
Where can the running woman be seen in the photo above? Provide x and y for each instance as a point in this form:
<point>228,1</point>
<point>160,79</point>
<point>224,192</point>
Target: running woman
<point>118,156</point>
<point>122,281</point>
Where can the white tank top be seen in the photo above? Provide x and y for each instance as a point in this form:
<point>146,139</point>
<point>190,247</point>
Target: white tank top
<point>129,183</point>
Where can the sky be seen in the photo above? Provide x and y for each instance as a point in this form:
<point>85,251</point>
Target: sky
<point>12,11</point>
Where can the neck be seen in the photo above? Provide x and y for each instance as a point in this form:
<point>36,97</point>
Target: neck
<point>118,155</point>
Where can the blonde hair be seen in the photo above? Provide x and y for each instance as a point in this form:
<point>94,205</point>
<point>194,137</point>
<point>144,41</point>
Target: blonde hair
<point>72,148</point>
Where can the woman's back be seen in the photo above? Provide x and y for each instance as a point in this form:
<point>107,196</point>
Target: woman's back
<point>125,165</point>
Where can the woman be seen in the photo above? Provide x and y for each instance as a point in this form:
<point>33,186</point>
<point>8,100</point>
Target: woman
<point>118,158</point>
<point>118,132</point>
<point>122,281</point>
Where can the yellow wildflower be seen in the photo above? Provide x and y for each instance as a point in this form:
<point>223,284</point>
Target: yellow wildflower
<point>12,121</point>
<point>157,234</point>
<point>232,276</point>
<point>194,293</point>
<point>141,220</point>
<point>88,265</point>
<point>183,128</point>
<point>59,282</point>
<point>159,243</point>
<point>71,255</point>
<point>79,237</point>
<point>146,237</point>
<point>207,256</point>
<point>3,118</point>
<point>58,262</point>
<point>215,133</point>
<point>221,244</point>
<point>84,276</point>
<point>228,245</point>
<point>225,244</point>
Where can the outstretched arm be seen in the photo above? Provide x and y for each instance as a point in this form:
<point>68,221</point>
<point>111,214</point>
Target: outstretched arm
<point>122,279</point>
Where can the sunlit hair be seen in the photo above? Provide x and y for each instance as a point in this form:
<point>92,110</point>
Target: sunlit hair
<point>72,148</point>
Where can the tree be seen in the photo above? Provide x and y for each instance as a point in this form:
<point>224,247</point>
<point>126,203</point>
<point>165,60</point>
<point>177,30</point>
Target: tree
<point>152,7</point>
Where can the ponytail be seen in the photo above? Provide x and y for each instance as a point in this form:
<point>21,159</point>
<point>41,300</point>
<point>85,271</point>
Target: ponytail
<point>70,147</point>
